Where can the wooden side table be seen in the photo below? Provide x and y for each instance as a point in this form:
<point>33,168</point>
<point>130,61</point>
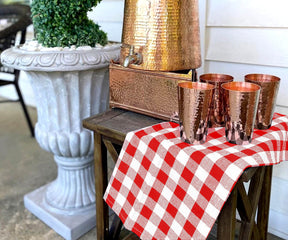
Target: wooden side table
<point>110,129</point>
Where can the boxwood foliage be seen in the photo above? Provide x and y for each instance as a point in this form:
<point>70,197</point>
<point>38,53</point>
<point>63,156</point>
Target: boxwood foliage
<point>61,23</point>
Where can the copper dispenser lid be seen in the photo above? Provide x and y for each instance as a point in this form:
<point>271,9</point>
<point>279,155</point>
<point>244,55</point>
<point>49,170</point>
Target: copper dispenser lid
<point>161,35</point>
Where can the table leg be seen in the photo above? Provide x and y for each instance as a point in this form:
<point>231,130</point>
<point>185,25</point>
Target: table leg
<point>227,218</point>
<point>100,158</point>
<point>264,203</point>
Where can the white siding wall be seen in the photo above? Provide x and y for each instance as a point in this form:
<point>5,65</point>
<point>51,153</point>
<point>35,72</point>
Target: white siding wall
<point>109,15</point>
<point>250,36</point>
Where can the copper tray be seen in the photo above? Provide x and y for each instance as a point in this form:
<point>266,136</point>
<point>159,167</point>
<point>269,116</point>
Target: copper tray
<point>151,93</point>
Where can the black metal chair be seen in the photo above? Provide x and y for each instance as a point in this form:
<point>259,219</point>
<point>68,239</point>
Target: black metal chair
<point>16,19</point>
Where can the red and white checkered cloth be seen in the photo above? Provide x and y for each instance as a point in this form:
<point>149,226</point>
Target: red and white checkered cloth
<point>162,188</point>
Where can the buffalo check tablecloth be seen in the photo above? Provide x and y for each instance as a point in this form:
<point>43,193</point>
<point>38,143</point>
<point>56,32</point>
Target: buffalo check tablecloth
<point>163,188</point>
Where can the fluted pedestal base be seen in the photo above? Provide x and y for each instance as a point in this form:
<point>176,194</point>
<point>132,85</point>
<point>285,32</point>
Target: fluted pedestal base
<point>69,85</point>
<point>69,227</point>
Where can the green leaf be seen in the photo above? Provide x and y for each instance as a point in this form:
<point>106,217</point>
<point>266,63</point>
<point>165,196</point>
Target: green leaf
<point>65,23</point>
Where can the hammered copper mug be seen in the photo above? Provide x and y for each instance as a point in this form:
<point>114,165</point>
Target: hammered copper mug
<point>218,104</point>
<point>240,113</point>
<point>194,100</point>
<point>267,100</point>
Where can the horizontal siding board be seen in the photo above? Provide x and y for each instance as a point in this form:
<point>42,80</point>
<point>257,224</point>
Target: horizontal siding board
<point>278,219</point>
<point>113,30</point>
<point>109,15</point>
<point>279,196</point>
<point>108,11</point>
<point>260,13</point>
<point>280,170</point>
<point>278,224</point>
<point>284,110</point>
<point>238,71</point>
<point>248,45</point>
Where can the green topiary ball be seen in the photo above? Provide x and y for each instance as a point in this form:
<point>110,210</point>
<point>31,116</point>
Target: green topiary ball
<point>62,23</point>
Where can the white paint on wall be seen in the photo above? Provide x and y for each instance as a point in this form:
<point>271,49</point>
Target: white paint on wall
<point>247,13</point>
<point>109,15</point>
<point>258,46</point>
<point>278,219</point>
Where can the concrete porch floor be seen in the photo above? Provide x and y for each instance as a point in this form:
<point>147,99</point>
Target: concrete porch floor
<point>24,167</point>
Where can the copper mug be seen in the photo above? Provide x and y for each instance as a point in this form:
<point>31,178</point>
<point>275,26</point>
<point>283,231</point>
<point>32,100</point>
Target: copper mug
<point>241,106</point>
<point>194,100</point>
<point>218,105</point>
<point>267,100</point>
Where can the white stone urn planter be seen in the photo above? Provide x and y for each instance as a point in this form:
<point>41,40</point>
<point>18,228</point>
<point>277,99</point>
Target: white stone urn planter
<point>69,85</point>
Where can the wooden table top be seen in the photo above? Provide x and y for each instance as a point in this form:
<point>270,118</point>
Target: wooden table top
<point>117,123</point>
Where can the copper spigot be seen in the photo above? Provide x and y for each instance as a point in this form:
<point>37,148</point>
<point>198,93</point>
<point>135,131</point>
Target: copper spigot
<point>132,58</point>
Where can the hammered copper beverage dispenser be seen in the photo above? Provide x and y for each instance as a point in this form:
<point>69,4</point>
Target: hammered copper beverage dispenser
<point>160,47</point>
<point>161,35</point>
